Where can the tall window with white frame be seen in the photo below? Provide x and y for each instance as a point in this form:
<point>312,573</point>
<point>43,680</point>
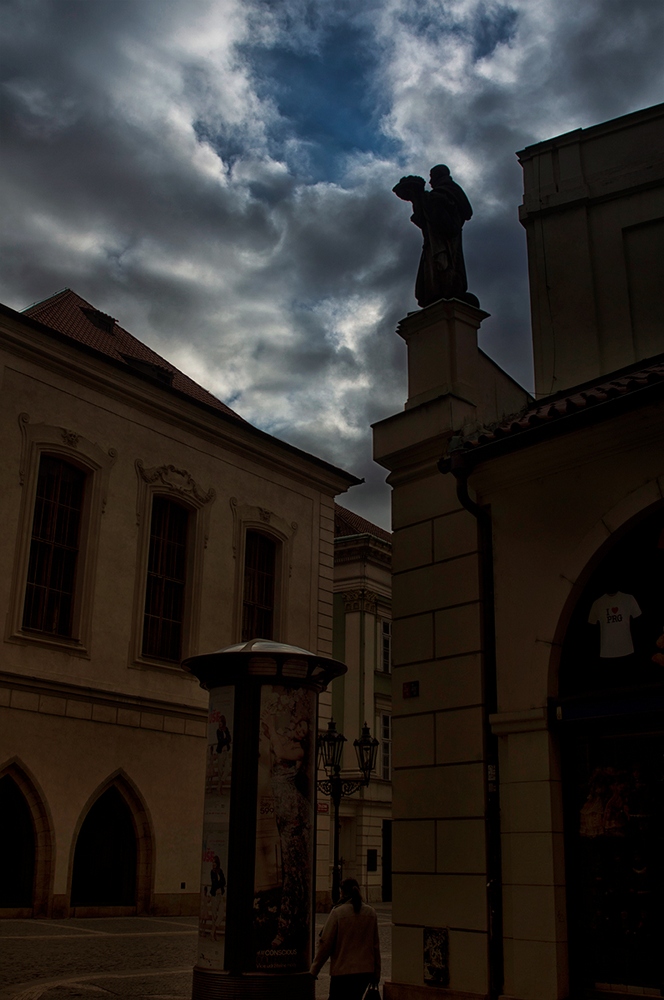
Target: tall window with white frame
<point>258,605</point>
<point>386,646</point>
<point>54,548</point>
<point>165,592</point>
<point>386,746</point>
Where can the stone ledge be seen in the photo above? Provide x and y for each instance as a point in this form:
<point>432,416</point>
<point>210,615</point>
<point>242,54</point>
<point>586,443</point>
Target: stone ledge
<point>409,991</point>
<point>528,721</point>
<point>103,710</point>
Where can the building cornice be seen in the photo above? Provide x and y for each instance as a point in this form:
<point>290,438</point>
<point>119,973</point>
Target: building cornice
<point>362,548</point>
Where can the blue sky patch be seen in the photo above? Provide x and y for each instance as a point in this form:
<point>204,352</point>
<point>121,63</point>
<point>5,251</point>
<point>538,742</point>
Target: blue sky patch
<point>493,27</point>
<point>325,98</point>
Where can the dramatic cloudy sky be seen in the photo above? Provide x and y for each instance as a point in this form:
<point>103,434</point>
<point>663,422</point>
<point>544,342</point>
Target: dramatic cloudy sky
<point>217,174</point>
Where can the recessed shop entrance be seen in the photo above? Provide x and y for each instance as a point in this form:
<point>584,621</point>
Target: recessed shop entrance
<point>610,716</point>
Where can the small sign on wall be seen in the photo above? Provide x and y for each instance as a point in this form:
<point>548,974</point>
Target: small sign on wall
<point>411,689</point>
<point>323,807</point>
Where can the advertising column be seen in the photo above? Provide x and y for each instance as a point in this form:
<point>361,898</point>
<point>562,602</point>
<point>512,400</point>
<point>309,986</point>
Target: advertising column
<point>257,866</point>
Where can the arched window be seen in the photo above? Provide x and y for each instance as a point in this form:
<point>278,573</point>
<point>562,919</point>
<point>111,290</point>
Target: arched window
<point>17,847</point>
<point>258,606</point>
<point>165,591</point>
<point>54,548</point>
<point>105,857</point>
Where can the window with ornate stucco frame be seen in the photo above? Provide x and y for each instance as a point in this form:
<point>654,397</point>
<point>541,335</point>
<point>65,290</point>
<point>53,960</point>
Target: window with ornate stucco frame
<point>277,529</point>
<point>66,445</point>
<point>180,486</point>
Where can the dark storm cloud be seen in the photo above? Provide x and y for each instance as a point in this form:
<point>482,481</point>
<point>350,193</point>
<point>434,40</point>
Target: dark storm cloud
<point>218,176</point>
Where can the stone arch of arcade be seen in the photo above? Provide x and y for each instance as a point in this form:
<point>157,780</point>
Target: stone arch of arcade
<point>608,530</point>
<point>607,712</point>
<point>27,844</point>
<point>111,867</point>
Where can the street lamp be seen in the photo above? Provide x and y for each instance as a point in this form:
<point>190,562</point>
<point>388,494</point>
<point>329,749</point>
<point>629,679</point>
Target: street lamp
<point>330,750</point>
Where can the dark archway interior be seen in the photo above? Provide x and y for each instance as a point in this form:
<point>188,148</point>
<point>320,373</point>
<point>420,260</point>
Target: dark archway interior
<point>17,846</point>
<point>105,856</point>
<point>612,740</point>
<point>633,566</point>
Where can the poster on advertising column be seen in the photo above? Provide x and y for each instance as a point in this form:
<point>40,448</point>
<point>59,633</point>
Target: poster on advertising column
<point>216,824</point>
<point>284,829</point>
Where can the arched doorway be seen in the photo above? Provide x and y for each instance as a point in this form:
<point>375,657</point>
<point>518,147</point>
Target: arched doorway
<point>611,716</point>
<point>26,844</point>
<point>17,847</point>
<point>104,872</point>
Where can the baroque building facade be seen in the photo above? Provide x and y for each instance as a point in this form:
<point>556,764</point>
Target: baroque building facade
<point>144,521</point>
<point>363,641</point>
<point>528,605</point>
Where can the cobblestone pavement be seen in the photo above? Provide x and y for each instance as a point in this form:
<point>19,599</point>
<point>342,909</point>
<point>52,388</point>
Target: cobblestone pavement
<point>143,958</point>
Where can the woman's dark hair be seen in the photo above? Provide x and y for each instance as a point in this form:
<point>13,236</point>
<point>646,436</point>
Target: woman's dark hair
<point>350,891</point>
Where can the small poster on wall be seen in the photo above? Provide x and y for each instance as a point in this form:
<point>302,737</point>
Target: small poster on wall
<point>216,825</point>
<point>436,956</point>
<point>284,829</point>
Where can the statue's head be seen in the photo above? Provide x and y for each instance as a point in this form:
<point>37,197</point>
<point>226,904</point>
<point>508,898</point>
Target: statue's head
<point>438,175</point>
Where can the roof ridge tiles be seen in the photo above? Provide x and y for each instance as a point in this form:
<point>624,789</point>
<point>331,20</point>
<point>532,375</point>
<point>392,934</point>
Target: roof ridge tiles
<point>566,403</point>
<point>68,313</point>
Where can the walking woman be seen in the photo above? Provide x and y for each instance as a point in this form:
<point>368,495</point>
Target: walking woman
<point>350,940</point>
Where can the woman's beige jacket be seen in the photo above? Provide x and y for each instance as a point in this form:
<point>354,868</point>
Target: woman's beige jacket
<point>350,941</point>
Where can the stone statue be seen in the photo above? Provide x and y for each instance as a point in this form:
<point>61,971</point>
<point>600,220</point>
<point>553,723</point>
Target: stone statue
<point>440,214</point>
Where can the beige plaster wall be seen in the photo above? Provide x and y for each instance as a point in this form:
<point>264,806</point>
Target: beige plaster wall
<point>76,715</point>
<point>71,759</point>
<point>593,209</point>
<point>552,510</point>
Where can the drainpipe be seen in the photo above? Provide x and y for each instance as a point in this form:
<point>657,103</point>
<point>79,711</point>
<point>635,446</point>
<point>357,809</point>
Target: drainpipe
<point>460,470</point>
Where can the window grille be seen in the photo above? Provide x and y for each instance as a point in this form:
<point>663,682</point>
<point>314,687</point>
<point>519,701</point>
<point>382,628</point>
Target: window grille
<point>386,661</point>
<point>259,585</point>
<point>54,547</point>
<point>166,581</point>
<point>386,747</point>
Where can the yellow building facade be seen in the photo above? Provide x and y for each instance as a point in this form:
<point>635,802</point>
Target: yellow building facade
<point>144,521</point>
<point>363,640</point>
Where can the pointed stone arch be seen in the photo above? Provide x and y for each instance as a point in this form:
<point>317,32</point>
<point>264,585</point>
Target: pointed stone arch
<point>143,830</point>
<point>44,840</point>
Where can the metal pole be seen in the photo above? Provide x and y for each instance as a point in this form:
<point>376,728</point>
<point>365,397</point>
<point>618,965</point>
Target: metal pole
<point>336,791</point>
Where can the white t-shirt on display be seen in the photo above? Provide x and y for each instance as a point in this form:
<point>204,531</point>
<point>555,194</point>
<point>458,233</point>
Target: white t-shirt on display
<point>614,613</point>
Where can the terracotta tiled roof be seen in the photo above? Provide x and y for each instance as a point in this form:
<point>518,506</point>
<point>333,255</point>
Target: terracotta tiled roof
<point>346,522</point>
<point>72,316</point>
<point>580,400</point>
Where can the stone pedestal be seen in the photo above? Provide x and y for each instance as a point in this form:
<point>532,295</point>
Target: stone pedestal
<point>256,919</point>
<point>442,351</point>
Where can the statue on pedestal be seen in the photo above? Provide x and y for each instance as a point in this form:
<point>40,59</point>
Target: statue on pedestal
<point>440,214</point>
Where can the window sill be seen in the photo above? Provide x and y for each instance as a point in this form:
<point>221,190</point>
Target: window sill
<point>150,663</point>
<point>43,639</point>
